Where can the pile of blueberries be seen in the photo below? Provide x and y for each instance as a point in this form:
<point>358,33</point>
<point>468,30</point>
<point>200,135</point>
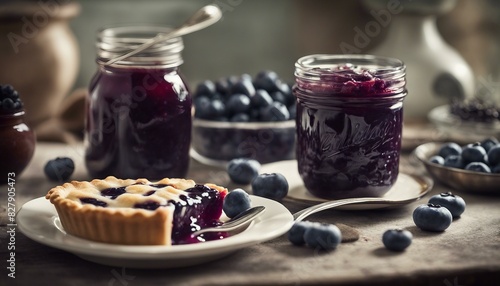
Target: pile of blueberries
<point>242,98</point>
<point>477,157</point>
<point>475,109</point>
<point>9,99</point>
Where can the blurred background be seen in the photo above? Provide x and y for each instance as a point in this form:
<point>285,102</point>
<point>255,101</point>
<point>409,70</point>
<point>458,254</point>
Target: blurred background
<point>252,36</point>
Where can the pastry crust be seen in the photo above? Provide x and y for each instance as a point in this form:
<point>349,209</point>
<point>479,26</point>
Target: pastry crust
<point>119,223</point>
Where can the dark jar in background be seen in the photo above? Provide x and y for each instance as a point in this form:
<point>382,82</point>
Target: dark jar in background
<point>349,124</point>
<point>138,122</point>
<point>17,144</point>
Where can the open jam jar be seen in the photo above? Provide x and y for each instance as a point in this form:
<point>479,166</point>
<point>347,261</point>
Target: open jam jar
<point>138,120</point>
<point>349,123</point>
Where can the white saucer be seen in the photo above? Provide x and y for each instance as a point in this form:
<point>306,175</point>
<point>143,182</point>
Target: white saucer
<point>407,188</point>
<point>38,220</point>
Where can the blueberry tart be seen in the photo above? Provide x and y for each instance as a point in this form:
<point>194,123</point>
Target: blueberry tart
<point>139,212</point>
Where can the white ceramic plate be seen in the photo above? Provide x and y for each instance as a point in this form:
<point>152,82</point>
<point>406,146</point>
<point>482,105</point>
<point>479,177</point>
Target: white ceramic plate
<point>38,220</point>
<point>408,188</point>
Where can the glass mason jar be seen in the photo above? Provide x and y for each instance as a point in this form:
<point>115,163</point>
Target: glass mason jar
<point>138,121</point>
<point>349,123</point>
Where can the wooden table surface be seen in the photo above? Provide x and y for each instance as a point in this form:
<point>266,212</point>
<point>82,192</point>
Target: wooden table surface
<point>467,253</point>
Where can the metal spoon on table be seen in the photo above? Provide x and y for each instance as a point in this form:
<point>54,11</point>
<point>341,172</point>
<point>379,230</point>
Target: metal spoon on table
<point>203,18</point>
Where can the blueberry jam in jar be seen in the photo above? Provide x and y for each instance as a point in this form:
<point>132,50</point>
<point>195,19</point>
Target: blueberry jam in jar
<point>349,124</point>
<point>139,109</point>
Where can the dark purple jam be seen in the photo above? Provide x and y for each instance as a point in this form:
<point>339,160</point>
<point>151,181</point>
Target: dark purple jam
<point>201,208</point>
<point>349,126</point>
<point>138,123</point>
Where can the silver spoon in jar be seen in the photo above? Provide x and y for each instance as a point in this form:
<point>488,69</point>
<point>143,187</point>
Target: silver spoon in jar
<point>236,222</point>
<point>203,18</point>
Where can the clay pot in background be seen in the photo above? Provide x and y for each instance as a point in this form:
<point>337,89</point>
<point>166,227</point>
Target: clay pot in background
<point>39,57</point>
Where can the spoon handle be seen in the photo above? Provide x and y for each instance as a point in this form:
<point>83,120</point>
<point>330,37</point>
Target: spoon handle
<point>301,215</point>
<point>236,222</point>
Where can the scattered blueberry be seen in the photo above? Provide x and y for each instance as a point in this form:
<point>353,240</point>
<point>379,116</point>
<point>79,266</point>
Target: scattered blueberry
<point>272,186</point>
<point>432,217</point>
<point>397,239</point>
<point>236,202</point>
<point>243,170</point>
<point>322,236</point>
<point>494,155</point>
<point>296,233</point>
<point>59,169</point>
<point>450,148</point>
<point>454,161</point>
<point>474,153</point>
<point>455,204</point>
<point>437,160</point>
<point>478,167</point>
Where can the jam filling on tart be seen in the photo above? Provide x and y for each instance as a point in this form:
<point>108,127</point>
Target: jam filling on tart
<point>201,207</point>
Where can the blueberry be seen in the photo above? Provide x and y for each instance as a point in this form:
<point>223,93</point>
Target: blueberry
<point>474,153</point>
<point>286,90</point>
<point>59,169</point>
<point>478,167</point>
<point>261,98</point>
<point>7,90</point>
<point>7,104</point>
<point>449,148</point>
<point>454,161</point>
<point>432,217</point>
<point>237,103</point>
<point>322,236</point>
<point>437,160</point>
<point>275,112</point>
<point>243,86</point>
<point>267,80</point>
<point>292,109</point>
<point>278,96</point>
<point>455,204</point>
<point>397,239</point>
<point>496,169</point>
<point>236,202</point>
<point>206,87</point>
<point>208,109</point>
<point>240,117</point>
<point>296,233</point>
<point>488,143</point>
<point>222,86</point>
<point>272,186</point>
<point>243,170</point>
<point>494,155</point>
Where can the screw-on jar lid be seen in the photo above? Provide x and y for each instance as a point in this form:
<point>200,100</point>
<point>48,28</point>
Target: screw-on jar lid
<point>114,42</point>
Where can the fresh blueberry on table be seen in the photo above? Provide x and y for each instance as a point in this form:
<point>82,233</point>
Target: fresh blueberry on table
<point>450,148</point>
<point>494,155</point>
<point>243,170</point>
<point>397,239</point>
<point>59,169</point>
<point>236,202</point>
<point>454,161</point>
<point>478,167</point>
<point>296,233</point>
<point>322,236</point>
<point>270,185</point>
<point>474,153</point>
<point>455,204</point>
<point>437,160</point>
<point>432,217</point>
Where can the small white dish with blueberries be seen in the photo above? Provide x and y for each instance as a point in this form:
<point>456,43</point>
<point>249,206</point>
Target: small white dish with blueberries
<point>474,167</point>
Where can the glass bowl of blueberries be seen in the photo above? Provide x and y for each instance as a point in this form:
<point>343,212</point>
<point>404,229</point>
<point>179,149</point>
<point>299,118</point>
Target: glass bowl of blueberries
<point>244,117</point>
<point>474,167</point>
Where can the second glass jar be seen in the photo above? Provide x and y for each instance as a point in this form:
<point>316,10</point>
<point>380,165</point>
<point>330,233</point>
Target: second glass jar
<point>138,121</point>
<point>349,124</point>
